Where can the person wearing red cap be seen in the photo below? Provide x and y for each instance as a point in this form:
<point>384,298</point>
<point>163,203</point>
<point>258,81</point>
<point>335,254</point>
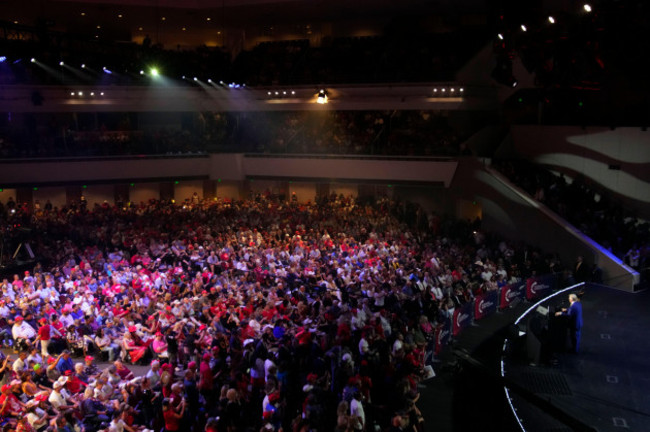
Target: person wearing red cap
<point>133,349</point>
<point>159,346</point>
<point>45,332</point>
<point>10,405</point>
<point>22,332</point>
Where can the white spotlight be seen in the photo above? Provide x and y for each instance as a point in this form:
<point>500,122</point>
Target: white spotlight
<point>523,28</point>
<point>293,92</point>
<point>461,90</point>
<point>61,63</point>
<point>83,65</point>
<point>500,36</point>
<point>80,93</point>
<point>551,20</point>
<point>33,60</point>
<point>196,79</point>
<point>101,94</point>
<point>269,93</point>
<point>435,90</point>
<point>210,80</point>
<point>71,93</point>
<point>92,93</point>
<point>141,72</point>
<point>587,7</point>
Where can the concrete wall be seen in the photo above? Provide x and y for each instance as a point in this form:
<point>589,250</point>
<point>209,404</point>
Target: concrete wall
<point>305,191</point>
<point>143,192</point>
<point>228,190</point>
<point>185,189</point>
<point>56,195</point>
<point>97,194</point>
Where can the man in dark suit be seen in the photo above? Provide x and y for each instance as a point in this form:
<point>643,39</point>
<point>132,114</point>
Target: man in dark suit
<point>574,312</point>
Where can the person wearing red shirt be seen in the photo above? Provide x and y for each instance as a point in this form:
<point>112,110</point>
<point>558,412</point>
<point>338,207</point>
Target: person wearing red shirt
<point>45,332</point>
<point>10,405</point>
<point>171,416</point>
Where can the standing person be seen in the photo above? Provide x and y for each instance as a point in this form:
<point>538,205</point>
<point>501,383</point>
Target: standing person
<point>45,333</point>
<point>574,312</point>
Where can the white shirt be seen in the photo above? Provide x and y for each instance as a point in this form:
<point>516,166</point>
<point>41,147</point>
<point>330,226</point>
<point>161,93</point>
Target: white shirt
<point>23,330</point>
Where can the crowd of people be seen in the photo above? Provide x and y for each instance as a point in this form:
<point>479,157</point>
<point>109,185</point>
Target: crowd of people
<point>594,213</point>
<point>251,315</point>
<point>391,132</point>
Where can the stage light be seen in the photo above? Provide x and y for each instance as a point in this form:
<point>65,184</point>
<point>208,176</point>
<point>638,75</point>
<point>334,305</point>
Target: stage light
<point>443,90</point>
<point>277,93</point>
<point>322,97</point>
<point>500,36</point>
<point>80,93</point>
<point>183,77</point>
<point>196,79</point>
<point>523,28</point>
<point>3,59</point>
<point>101,94</point>
<point>33,60</point>
<point>92,93</point>
<point>435,90</point>
<point>514,83</point>
<point>154,72</point>
<point>61,63</point>
<point>71,93</point>
<point>221,82</point>
<point>293,92</point>
<point>587,7</point>
<point>141,72</point>
<point>284,93</point>
<point>210,80</point>
<point>269,93</point>
<point>83,66</point>
<point>452,90</point>
<point>106,70</point>
<point>551,20</point>
<point>461,90</point>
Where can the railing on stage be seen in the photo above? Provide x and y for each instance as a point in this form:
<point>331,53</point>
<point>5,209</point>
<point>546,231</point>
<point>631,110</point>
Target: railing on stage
<point>543,298</point>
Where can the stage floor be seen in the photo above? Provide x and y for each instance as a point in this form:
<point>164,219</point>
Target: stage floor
<point>606,386</point>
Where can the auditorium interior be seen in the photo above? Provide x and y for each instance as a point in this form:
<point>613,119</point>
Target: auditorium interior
<point>500,144</point>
